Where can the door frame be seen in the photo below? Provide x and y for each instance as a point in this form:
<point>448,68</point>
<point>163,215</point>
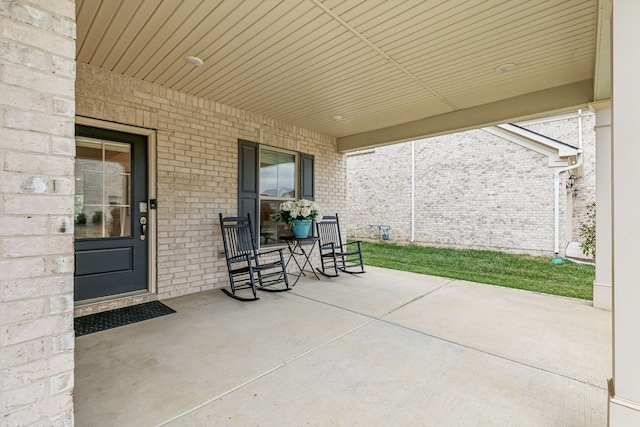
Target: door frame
<point>152,214</point>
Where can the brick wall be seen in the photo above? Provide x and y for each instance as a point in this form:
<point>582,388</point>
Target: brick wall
<point>197,167</point>
<point>472,190</point>
<point>37,71</point>
<point>566,129</point>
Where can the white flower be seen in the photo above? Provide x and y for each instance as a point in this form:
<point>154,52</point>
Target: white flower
<point>305,211</point>
<point>286,206</point>
<point>302,209</point>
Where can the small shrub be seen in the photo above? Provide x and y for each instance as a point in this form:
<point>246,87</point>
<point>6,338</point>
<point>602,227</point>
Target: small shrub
<point>97,216</point>
<point>588,231</point>
<point>82,218</point>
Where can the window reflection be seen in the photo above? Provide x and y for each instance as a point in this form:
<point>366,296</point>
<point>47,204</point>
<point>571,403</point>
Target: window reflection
<point>277,184</point>
<point>271,231</point>
<point>277,174</point>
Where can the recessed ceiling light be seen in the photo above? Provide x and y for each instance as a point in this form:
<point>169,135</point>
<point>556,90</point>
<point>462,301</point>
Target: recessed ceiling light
<point>505,68</point>
<point>336,118</point>
<point>193,60</point>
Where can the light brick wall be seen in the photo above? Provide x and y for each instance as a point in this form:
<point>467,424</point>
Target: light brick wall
<point>472,190</point>
<point>566,130</point>
<point>37,72</point>
<point>197,167</point>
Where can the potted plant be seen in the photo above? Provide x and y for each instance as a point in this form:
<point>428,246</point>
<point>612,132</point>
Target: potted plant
<point>299,215</point>
<point>82,218</point>
<point>96,217</point>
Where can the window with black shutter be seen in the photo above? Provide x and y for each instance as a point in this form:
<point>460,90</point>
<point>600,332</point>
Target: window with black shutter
<point>267,177</point>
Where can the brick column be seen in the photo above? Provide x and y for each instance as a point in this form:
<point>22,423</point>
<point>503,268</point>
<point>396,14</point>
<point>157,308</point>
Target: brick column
<point>37,148</point>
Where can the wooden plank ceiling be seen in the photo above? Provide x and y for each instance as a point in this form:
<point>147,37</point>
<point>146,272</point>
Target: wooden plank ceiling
<point>377,64</point>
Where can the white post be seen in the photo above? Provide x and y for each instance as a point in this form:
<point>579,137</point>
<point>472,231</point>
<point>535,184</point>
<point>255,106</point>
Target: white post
<point>413,191</point>
<point>602,292</point>
<point>624,404</point>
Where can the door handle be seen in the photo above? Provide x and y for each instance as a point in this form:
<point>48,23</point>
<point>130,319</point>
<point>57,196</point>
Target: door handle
<point>143,227</point>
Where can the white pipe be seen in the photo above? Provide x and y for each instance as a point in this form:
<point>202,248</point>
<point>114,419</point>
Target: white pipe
<point>580,129</point>
<point>413,191</point>
<point>556,187</point>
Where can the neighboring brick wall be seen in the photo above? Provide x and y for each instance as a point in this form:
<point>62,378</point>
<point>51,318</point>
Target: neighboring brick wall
<point>566,130</point>
<point>472,190</point>
<point>197,167</point>
<point>37,72</point>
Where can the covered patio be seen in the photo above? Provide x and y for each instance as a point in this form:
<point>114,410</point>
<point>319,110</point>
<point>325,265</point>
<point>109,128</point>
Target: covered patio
<point>200,88</point>
<point>383,348</point>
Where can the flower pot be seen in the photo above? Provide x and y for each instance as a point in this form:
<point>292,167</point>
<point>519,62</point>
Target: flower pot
<point>301,228</point>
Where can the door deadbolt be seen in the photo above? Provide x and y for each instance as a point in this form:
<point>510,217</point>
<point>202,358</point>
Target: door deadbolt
<point>143,227</point>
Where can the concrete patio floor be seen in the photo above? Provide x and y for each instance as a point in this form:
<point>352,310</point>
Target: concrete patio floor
<point>386,348</point>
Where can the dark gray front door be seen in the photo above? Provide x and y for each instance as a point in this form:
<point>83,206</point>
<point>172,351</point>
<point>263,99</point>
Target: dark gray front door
<point>111,253</point>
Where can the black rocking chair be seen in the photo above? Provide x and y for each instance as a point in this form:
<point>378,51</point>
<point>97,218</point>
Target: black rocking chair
<point>335,255</point>
<point>244,262</point>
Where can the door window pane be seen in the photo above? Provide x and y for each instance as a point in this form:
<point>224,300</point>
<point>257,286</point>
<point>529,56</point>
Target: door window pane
<point>118,221</point>
<point>91,153</point>
<point>103,188</point>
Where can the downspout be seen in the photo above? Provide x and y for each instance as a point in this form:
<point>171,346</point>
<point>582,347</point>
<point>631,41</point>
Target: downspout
<point>413,191</point>
<point>556,189</point>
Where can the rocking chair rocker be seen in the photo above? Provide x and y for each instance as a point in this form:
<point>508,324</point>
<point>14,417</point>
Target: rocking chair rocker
<point>244,262</point>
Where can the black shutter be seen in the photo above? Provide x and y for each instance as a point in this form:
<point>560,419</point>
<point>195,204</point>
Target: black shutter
<point>307,172</point>
<point>248,181</point>
<point>307,187</point>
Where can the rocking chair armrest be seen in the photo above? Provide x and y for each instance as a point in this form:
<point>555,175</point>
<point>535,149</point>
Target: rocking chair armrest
<point>344,249</point>
<point>246,256</point>
<point>345,246</point>
<point>330,245</point>
<point>272,251</point>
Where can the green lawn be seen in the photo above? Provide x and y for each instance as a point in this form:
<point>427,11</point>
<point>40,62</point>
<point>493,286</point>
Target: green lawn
<point>531,273</point>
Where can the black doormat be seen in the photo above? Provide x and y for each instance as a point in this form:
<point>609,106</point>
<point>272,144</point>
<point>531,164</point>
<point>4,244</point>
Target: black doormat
<point>119,317</point>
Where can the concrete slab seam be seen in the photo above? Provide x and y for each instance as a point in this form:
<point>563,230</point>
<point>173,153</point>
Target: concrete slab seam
<point>417,298</point>
<point>493,355</point>
<point>368,315</point>
<point>257,377</point>
<point>381,319</point>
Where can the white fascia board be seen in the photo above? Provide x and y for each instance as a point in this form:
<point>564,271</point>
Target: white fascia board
<point>557,153</point>
<point>555,118</point>
<point>564,150</point>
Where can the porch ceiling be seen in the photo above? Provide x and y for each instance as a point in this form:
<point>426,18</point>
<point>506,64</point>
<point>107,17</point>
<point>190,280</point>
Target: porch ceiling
<point>392,70</point>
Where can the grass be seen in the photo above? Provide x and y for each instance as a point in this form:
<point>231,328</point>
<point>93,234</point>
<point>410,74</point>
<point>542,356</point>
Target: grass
<point>531,273</point>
